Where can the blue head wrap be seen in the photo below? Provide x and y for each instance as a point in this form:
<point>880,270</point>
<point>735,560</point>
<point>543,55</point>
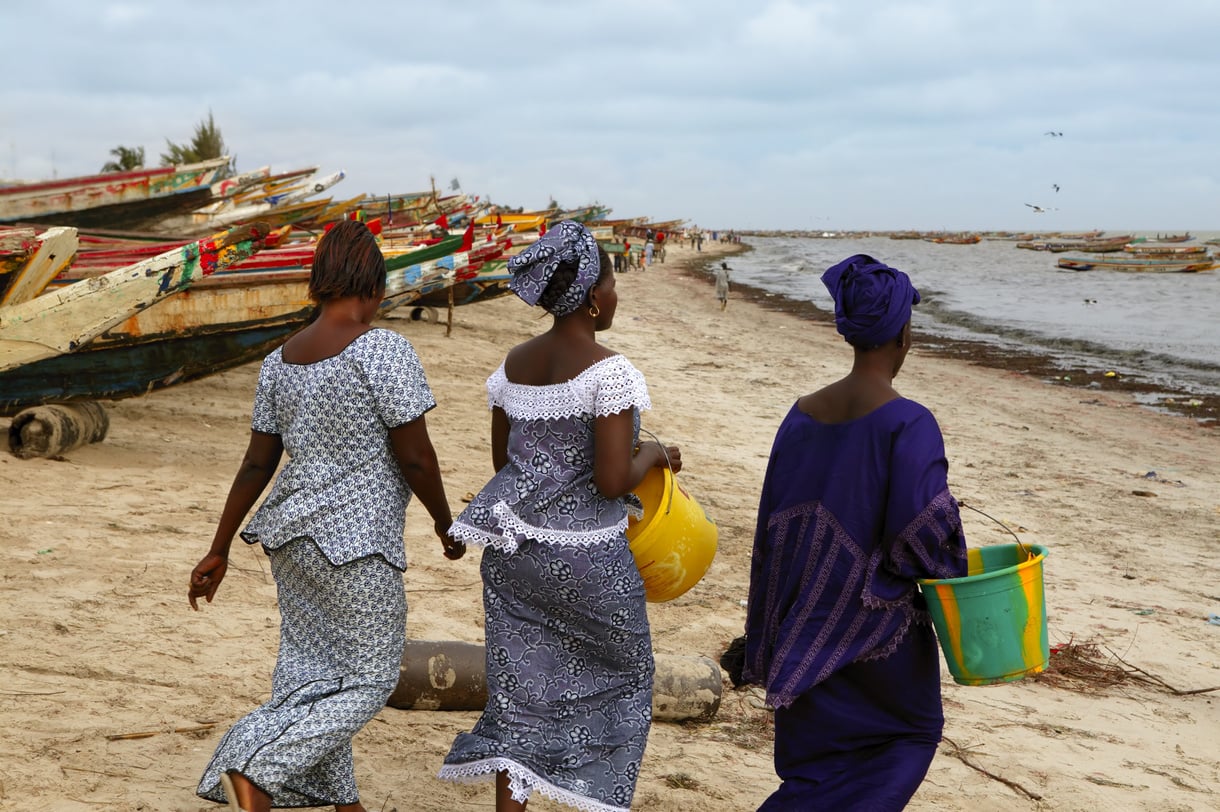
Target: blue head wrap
<point>872,300</point>
<point>568,242</point>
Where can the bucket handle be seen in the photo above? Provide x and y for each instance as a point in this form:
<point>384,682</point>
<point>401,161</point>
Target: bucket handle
<point>1025,552</point>
<point>670,502</point>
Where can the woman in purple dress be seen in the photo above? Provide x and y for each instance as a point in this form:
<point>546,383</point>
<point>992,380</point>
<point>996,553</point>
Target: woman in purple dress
<point>855,507</point>
<point>569,655</point>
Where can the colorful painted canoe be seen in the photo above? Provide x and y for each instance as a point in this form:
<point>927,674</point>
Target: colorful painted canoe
<point>64,321</point>
<point>224,321</point>
<point>113,199</point>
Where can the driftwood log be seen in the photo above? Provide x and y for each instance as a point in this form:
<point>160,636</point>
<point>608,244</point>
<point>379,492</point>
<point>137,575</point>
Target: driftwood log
<point>52,429</point>
<point>449,675</point>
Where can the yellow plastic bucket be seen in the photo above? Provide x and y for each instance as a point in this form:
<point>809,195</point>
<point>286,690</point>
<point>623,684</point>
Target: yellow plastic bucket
<point>675,542</point>
<point>991,623</point>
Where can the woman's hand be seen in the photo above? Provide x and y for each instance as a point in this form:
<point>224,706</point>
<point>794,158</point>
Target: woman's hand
<point>454,548</point>
<point>669,456</point>
<point>674,454</point>
<point>206,578</point>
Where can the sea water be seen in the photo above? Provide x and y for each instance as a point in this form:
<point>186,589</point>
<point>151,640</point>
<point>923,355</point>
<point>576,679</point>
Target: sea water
<point>1163,328</point>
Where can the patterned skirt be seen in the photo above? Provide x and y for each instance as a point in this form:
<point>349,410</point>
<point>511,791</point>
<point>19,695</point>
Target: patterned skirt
<point>569,676</point>
<point>342,634</point>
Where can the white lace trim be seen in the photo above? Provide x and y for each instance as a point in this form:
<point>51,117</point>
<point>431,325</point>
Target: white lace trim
<point>513,526</point>
<point>521,782</point>
<point>606,387</point>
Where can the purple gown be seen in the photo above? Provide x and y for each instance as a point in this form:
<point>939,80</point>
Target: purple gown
<point>851,514</point>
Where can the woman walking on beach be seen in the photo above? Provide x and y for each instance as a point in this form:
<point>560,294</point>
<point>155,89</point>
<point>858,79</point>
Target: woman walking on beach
<point>347,403</point>
<point>569,654</point>
<point>855,507</point>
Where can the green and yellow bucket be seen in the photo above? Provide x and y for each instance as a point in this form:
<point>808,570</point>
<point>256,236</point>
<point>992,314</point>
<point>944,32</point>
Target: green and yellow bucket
<point>992,622</point>
<point>674,542</point>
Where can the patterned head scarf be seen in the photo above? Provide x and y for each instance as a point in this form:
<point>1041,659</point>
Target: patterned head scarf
<point>533,268</point>
<point>872,300</point>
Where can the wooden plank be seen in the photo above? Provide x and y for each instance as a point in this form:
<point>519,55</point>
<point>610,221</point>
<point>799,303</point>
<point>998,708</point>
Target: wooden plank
<point>56,249</point>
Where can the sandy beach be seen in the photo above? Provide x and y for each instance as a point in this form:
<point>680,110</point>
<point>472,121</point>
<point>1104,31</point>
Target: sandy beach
<point>98,642</point>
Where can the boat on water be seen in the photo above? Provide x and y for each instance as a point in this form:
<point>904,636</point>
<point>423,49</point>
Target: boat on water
<point>120,200</point>
<point>1136,264</point>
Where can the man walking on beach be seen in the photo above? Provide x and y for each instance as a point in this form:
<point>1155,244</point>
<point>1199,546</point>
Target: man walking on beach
<point>722,284</point>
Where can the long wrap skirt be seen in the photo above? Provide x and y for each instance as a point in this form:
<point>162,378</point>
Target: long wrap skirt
<point>569,675</point>
<point>342,634</point>
<point>862,740</point>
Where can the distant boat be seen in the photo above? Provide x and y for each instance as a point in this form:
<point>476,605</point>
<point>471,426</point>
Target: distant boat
<point>1137,264</point>
<point>1174,237</point>
<point>118,200</point>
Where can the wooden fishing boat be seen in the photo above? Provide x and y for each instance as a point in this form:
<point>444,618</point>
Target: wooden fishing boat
<point>62,322</point>
<point>223,321</point>
<point>488,282</point>
<point>956,239</point>
<point>1098,246</point>
<point>112,199</point>
<point>1135,265</point>
<point>1147,249</point>
<point>1174,237</point>
<point>28,261</point>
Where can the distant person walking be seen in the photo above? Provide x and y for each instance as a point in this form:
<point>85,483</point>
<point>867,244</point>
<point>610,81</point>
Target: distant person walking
<point>722,284</point>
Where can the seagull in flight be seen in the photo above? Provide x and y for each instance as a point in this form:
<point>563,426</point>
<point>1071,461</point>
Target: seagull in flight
<point>1055,186</point>
<point>1053,134</point>
<point>1040,209</point>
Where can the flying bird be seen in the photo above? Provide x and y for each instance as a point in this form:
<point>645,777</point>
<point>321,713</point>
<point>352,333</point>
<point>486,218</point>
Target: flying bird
<point>1040,209</point>
<point>1053,134</point>
<point>1055,186</point>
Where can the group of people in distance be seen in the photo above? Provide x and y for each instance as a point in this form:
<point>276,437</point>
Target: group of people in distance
<point>854,509</point>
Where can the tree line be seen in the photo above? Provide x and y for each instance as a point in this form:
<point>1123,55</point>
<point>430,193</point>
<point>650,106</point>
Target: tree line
<point>206,144</point>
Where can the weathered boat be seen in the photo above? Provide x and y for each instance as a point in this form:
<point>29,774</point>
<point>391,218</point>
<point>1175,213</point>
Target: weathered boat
<point>1151,249</point>
<point>1135,265</point>
<point>29,261</point>
<point>488,282</point>
<point>113,199</point>
<point>224,321</point>
<point>62,322</point>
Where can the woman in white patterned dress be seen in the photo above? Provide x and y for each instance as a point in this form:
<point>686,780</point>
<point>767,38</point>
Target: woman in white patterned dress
<point>347,403</point>
<point>569,655</point>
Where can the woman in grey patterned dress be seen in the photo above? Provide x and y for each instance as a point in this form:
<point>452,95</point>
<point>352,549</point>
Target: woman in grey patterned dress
<point>569,656</point>
<point>347,403</point>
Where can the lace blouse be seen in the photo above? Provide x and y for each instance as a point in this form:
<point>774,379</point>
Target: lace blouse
<point>546,491</point>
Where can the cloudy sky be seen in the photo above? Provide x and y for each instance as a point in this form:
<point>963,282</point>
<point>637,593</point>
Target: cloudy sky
<point>855,114</point>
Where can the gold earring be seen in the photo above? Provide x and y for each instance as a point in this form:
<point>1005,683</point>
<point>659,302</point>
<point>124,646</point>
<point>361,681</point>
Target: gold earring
<point>594,311</point>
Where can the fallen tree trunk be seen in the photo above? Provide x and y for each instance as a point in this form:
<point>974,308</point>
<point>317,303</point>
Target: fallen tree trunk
<point>450,675</point>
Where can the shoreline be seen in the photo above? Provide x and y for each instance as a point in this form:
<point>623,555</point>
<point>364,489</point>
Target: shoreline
<point>1204,409</point>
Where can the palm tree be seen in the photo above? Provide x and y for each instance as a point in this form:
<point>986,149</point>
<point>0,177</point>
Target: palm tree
<point>125,159</point>
<point>206,144</point>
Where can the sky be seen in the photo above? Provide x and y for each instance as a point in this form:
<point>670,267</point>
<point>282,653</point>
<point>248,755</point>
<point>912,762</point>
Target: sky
<point>748,114</point>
